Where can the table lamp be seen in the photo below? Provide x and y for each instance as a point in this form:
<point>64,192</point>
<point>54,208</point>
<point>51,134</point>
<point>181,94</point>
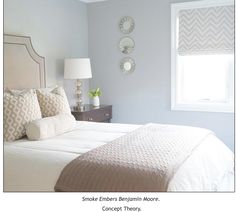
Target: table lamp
<point>78,68</point>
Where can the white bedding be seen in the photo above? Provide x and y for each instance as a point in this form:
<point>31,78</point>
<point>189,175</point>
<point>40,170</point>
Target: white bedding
<point>36,165</point>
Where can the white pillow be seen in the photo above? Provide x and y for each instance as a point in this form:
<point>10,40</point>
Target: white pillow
<point>49,127</point>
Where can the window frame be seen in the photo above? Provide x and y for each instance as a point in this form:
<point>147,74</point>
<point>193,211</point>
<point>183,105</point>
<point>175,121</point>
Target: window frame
<point>196,106</point>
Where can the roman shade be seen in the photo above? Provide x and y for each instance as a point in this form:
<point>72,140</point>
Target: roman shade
<point>208,30</point>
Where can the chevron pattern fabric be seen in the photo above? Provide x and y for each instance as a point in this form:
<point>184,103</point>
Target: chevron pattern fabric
<point>20,108</point>
<point>206,30</point>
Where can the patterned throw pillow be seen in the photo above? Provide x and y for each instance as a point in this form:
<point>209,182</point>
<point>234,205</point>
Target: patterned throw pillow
<point>20,108</point>
<point>53,102</point>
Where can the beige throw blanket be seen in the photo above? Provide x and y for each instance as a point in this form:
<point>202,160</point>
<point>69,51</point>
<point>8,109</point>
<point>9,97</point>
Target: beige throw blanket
<point>143,160</point>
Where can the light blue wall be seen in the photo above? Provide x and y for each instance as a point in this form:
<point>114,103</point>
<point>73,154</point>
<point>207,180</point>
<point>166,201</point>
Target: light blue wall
<point>58,29</point>
<point>145,95</point>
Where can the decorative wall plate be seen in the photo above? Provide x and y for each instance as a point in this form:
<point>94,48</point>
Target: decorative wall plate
<point>126,45</point>
<point>127,25</point>
<point>127,65</point>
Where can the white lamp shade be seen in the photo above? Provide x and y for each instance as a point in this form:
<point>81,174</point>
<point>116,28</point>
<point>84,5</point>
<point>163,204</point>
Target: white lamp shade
<point>77,68</point>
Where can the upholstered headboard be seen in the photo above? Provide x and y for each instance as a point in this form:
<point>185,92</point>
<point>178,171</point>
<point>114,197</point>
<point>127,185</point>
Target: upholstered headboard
<point>23,67</point>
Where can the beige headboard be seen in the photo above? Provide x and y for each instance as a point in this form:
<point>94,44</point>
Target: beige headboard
<point>23,67</point>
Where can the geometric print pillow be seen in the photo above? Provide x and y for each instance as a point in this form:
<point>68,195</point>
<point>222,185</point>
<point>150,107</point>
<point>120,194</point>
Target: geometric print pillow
<point>19,108</point>
<point>53,102</point>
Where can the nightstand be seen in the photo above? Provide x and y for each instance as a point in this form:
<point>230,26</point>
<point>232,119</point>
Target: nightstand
<point>103,113</point>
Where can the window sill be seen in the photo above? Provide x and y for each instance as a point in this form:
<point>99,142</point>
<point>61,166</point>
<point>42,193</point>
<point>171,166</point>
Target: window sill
<point>216,108</point>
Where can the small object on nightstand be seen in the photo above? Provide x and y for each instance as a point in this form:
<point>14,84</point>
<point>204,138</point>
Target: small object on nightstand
<point>95,93</point>
<point>103,113</point>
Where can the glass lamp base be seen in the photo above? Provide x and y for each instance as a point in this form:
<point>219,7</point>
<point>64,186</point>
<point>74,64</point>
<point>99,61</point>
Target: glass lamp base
<point>79,108</point>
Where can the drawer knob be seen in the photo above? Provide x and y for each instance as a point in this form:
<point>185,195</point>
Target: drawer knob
<point>90,119</point>
<point>107,114</point>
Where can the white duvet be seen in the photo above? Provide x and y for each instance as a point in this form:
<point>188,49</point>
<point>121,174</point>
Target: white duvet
<point>36,165</point>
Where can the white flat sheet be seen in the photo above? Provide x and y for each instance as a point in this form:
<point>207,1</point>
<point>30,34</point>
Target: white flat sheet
<point>36,165</point>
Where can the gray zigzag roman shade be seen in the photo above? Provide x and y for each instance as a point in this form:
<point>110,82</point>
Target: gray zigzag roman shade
<point>206,30</point>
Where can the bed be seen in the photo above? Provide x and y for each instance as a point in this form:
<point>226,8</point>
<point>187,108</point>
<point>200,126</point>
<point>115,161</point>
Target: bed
<point>40,165</point>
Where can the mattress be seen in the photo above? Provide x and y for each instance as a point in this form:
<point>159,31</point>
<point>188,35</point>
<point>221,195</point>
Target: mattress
<point>36,165</point>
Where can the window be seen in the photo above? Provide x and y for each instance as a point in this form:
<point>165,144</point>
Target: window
<point>202,57</point>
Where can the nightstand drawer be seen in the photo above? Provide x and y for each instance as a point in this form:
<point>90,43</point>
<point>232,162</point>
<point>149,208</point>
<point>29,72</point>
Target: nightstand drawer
<point>97,115</point>
<point>100,114</point>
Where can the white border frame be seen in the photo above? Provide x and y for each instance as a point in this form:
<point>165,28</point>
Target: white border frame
<point>207,107</point>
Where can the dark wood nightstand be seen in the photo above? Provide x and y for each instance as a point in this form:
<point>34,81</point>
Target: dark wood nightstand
<point>103,113</point>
